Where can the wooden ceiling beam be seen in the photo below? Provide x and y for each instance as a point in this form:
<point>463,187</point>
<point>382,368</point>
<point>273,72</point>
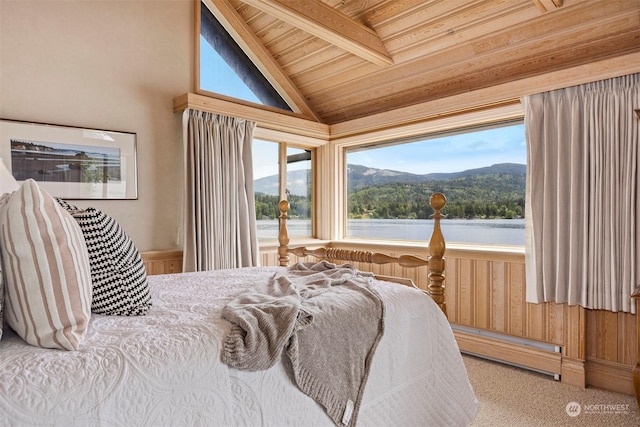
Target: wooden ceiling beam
<point>321,20</point>
<point>547,5</point>
<point>260,56</point>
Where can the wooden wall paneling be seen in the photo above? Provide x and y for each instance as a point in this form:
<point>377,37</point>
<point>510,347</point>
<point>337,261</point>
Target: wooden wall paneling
<point>419,275</point>
<point>482,295</point>
<point>591,346</point>
<point>269,258</point>
<point>555,323</point>
<point>536,321</point>
<point>575,327</point>
<point>629,348</point>
<point>516,306</point>
<point>499,297</point>
<point>612,332</point>
<point>466,293</point>
<point>451,289</point>
<point>610,354</point>
<point>395,270</point>
<point>573,350</point>
<point>390,270</point>
<point>606,335</point>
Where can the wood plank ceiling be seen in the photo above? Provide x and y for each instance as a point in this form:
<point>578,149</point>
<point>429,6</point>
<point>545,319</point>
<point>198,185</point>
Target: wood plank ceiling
<point>349,59</point>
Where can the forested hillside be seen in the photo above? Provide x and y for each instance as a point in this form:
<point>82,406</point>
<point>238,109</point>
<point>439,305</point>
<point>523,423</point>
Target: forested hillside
<point>493,192</point>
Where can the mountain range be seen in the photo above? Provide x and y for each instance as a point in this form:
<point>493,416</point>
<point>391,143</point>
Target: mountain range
<point>360,177</point>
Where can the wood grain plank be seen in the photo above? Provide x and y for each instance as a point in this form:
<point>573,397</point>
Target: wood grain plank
<point>451,77</point>
<point>628,353</point>
<point>555,323</point>
<point>462,27</point>
<point>466,291</point>
<point>517,305</point>
<point>482,295</point>
<point>451,289</point>
<point>611,330</point>
<point>556,49</point>
<point>535,321</point>
<point>498,297</point>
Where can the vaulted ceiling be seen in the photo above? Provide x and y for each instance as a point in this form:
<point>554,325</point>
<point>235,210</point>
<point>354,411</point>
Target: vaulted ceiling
<point>339,60</point>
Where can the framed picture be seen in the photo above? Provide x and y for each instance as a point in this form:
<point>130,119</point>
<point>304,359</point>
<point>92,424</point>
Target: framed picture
<point>70,162</point>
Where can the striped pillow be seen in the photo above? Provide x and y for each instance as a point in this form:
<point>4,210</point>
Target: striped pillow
<point>1,295</point>
<point>3,200</point>
<point>48,281</point>
<point>1,298</point>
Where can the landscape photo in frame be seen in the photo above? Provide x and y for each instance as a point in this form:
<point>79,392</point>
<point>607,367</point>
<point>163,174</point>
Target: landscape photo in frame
<point>71,162</point>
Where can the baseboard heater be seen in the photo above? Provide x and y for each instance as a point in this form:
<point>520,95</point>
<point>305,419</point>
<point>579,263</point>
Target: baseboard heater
<point>524,353</point>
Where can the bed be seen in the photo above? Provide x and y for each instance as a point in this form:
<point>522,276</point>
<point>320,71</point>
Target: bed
<point>166,367</point>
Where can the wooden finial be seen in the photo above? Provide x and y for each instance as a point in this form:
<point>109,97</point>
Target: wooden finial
<point>283,235</point>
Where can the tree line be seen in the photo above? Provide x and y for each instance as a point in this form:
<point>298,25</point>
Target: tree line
<point>490,196</point>
<point>267,206</point>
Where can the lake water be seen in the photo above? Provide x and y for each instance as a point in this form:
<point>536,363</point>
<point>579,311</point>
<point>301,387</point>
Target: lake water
<point>489,231</point>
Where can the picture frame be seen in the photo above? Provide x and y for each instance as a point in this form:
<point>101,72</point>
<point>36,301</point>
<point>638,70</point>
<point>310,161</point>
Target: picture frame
<point>71,162</point>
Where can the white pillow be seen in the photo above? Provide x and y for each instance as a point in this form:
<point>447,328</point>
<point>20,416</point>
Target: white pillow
<point>46,267</point>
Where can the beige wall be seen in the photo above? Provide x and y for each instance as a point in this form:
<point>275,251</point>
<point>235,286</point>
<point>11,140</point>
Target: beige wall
<point>107,64</point>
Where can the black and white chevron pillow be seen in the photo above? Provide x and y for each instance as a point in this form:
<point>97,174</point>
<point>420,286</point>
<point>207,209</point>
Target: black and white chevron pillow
<point>66,205</point>
<point>118,274</point>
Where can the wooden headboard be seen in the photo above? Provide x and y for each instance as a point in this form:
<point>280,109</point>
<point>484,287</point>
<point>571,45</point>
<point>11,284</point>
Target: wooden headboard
<point>435,262</point>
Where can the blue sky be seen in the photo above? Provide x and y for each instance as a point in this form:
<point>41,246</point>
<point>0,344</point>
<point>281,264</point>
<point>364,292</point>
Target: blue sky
<point>451,153</point>
<point>216,76</point>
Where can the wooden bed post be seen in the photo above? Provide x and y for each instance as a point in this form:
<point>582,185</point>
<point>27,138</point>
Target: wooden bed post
<point>436,253</point>
<point>283,235</point>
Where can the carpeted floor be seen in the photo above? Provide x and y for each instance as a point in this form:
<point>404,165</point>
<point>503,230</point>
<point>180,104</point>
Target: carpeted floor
<point>514,397</point>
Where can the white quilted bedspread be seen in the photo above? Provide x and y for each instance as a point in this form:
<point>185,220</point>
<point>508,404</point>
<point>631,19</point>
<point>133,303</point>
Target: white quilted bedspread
<point>165,369</point>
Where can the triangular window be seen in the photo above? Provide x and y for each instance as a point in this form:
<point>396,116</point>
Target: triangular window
<point>227,70</point>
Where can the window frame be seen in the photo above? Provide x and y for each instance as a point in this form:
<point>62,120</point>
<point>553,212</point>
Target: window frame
<point>258,55</point>
<point>214,28</point>
<point>282,184</point>
<point>489,116</point>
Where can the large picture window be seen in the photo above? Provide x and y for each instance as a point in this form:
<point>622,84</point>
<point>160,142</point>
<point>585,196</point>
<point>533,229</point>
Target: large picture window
<point>272,182</point>
<point>481,171</point>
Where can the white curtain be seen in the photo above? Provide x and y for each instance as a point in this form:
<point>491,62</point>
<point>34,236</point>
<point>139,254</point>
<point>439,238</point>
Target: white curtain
<point>219,217</point>
<point>582,236</point>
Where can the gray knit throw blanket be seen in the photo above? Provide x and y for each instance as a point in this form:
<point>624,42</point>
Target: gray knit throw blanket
<point>327,320</point>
